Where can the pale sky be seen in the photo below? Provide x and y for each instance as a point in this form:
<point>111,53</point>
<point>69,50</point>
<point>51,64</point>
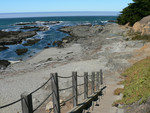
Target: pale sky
<point>13,6</point>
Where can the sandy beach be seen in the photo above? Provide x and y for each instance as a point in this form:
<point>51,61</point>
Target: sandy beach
<point>93,48</point>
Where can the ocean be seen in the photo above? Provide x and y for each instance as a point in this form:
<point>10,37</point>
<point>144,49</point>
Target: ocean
<point>47,37</point>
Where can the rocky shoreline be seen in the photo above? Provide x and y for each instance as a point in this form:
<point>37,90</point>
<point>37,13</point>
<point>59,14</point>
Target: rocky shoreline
<point>87,49</point>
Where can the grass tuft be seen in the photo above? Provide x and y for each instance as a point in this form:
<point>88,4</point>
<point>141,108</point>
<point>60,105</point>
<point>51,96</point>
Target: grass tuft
<point>118,91</point>
<point>136,83</point>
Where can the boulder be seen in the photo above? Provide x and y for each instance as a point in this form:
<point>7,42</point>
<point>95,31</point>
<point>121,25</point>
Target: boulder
<point>4,64</point>
<point>142,26</point>
<point>21,51</point>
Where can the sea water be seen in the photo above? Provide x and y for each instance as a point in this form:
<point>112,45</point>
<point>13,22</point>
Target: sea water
<point>47,37</point>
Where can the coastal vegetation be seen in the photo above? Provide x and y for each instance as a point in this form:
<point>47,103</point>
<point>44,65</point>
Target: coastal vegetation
<point>134,12</point>
<point>136,83</point>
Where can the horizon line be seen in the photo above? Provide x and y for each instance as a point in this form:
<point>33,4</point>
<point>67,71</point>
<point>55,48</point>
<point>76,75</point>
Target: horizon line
<point>54,12</point>
<point>58,14</point>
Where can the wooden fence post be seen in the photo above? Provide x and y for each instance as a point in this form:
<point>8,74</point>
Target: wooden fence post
<point>101,77</point>
<point>97,81</point>
<point>55,90</point>
<point>26,103</point>
<point>93,82</point>
<point>75,92</point>
<point>85,85</point>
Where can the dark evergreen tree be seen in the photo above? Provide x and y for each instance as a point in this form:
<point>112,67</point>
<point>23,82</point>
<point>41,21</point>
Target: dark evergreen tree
<point>134,12</point>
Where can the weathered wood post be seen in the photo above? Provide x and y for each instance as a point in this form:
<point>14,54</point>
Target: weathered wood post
<point>97,81</point>
<point>101,77</point>
<point>85,85</point>
<point>93,82</point>
<point>55,90</point>
<point>26,103</point>
<point>74,89</point>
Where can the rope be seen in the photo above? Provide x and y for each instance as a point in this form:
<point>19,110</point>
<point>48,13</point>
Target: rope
<point>80,84</point>
<point>81,93</point>
<point>80,76</point>
<point>68,99</point>
<point>41,86</point>
<point>64,77</point>
<point>66,88</point>
<point>42,102</point>
<point>11,103</point>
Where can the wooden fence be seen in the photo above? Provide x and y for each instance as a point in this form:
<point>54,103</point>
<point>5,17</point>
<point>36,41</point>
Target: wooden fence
<point>96,79</point>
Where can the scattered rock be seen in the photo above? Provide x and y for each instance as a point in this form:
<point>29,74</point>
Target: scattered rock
<point>70,53</point>
<point>67,39</point>
<point>31,42</point>
<point>49,106</point>
<point>46,47</point>
<point>4,64</point>
<point>49,59</point>
<point>21,51</point>
<point>58,43</point>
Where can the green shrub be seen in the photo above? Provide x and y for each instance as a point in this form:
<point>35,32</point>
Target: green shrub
<point>134,12</point>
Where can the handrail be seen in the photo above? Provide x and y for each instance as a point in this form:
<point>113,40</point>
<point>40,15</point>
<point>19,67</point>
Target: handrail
<point>65,77</point>
<point>11,103</point>
<point>87,83</point>
<point>41,86</point>
<point>43,102</point>
<point>65,88</point>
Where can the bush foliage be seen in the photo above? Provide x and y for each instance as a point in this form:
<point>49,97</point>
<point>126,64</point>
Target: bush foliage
<point>134,12</point>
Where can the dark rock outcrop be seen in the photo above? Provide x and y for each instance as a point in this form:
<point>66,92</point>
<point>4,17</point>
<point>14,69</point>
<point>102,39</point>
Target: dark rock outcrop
<point>3,47</point>
<point>21,51</point>
<point>14,37</point>
<point>82,30</point>
<point>36,28</point>
<point>26,23</point>
<point>4,64</point>
<point>31,42</point>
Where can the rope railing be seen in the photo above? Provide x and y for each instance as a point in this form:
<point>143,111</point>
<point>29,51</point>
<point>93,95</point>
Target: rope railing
<point>65,77</point>
<point>80,76</point>
<point>42,102</point>
<point>69,99</point>
<point>89,84</point>
<point>81,93</point>
<point>41,86</point>
<point>11,103</point>
<point>65,88</point>
<point>80,84</point>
